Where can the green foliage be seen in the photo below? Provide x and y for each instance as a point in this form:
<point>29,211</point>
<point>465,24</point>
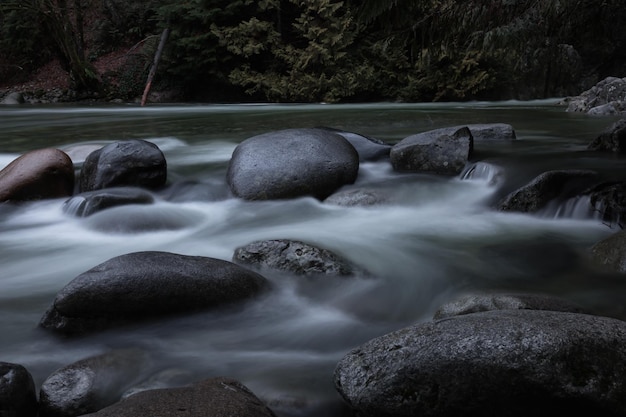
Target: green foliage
<point>312,60</point>
<point>332,50</point>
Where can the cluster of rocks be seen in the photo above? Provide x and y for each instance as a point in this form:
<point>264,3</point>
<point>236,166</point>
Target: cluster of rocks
<point>608,97</point>
<point>515,354</point>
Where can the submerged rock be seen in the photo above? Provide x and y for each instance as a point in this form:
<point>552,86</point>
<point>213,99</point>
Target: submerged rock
<point>475,303</point>
<point>358,197</point>
<point>217,397</point>
<point>292,256</point>
<point>547,187</point>
<point>17,391</point>
<point>88,203</point>
<point>92,383</point>
<point>484,131</point>
<point>609,201</point>
<point>292,163</point>
<point>136,163</point>
<point>507,362</point>
<point>369,149</point>
<point>436,151</point>
<point>610,253</point>
<point>36,175</point>
<point>612,140</point>
<point>144,285</point>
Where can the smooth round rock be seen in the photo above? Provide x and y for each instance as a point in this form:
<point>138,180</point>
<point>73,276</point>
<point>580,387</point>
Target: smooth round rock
<point>516,363</point>
<point>144,285</point>
<point>135,162</point>
<point>292,163</point>
<point>91,383</point>
<point>39,174</point>
<point>17,391</point>
<point>217,397</point>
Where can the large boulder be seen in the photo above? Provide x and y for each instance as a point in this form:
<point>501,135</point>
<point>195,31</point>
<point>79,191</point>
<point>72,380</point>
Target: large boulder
<point>436,151</point>
<point>13,98</point>
<point>605,98</point>
<point>88,203</point>
<point>17,391</point>
<point>475,303</point>
<point>612,139</point>
<point>217,397</point>
<point>494,363</point>
<point>143,285</point>
<point>38,174</point>
<point>91,383</point>
<point>292,163</point>
<point>134,162</point>
<point>292,256</point>
<point>550,186</point>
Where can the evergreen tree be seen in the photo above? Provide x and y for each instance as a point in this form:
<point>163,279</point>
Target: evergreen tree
<point>312,59</point>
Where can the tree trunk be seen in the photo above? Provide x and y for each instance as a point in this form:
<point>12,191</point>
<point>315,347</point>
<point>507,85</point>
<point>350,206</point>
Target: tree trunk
<point>155,64</point>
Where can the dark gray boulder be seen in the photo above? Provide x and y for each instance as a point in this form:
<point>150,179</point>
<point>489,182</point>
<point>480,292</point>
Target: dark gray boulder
<point>507,362</point>
<point>434,152</point>
<point>217,397</point>
<point>134,162</point>
<point>368,148</point>
<point>292,163</point>
<point>144,285</point>
<point>36,175</point>
<point>88,203</point>
<point>549,186</point>
<point>475,303</point>
<point>292,256</point>
<point>612,139</point>
<point>92,383</point>
<point>610,253</point>
<point>17,391</point>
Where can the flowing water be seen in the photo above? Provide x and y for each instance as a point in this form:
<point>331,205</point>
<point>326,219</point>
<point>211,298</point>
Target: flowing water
<point>438,237</point>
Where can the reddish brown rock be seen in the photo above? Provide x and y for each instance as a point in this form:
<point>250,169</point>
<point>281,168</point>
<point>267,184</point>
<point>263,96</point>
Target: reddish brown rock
<point>36,175</point>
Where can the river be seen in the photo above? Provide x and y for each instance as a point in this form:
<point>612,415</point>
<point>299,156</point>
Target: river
<point>439,237</point>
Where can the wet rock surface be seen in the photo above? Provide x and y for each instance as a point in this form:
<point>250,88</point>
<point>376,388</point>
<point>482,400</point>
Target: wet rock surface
<point>292,163</point>
<point>548,187</point>
<point>91,383</point>
<point>437,151</point>
<point>292,256</point>
<point>135,162</point>
<point>144,285</point>
<point>18,397</point>
<point>506,362</point>
<point>217,397</point>
<point>39,174</point>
